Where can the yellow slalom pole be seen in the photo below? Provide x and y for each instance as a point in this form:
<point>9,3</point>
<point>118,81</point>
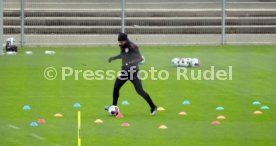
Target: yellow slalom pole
<point>79,128</point>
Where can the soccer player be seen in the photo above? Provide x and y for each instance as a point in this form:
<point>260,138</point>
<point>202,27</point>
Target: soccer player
<point>130,56</point>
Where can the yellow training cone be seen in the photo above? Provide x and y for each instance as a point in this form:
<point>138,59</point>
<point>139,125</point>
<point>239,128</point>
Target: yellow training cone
<point>221,117</point>
<point>98,121</point>
<point>182,113</point>
<point>160,109</point>
<point>58,115</point>
<point>258,112</point>
<point>163,127</point>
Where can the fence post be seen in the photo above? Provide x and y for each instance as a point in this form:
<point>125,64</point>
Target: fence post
<point>223,22</point>
<point>123,5</point>
<point>22,20</point>
<point>1,27</point>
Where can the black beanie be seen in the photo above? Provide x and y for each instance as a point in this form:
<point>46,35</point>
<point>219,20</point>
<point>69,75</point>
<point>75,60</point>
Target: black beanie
<point>122,37</point>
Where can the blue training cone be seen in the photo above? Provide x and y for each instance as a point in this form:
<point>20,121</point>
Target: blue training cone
<point>124,102</point>
<point>77,105</point>
<point>256,103</point>
<point>33,124</point>
<point>186,102</point>
<point>265,107</point>
<point>220,108</point>
<point>26,107</point>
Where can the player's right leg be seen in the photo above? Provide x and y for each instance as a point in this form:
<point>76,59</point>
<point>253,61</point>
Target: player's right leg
<point>116,90</point>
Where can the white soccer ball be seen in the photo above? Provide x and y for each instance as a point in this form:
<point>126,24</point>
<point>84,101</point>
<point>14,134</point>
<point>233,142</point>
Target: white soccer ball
<point>183,62</point>
<point>113,110</point>
<point>143,61</point>
<point>175,61</point>
<point>189,60</point>
<point>194,62</point>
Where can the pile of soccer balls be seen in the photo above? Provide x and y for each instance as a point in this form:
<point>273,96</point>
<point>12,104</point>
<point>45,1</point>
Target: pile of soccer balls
<point>185,62</point>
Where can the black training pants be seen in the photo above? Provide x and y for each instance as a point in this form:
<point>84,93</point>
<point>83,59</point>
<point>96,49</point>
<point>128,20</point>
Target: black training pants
<point>135,80</point>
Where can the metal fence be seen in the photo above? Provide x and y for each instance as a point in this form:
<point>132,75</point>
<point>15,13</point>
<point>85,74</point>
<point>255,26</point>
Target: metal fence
<point>171,22</point>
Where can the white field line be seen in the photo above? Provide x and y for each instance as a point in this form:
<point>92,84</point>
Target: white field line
<point>37,136</point>
<point>13,127</point>
<point>32,134</point>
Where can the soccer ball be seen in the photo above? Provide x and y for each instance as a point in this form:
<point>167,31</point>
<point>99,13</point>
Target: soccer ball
<point>183,62</point>
<point>175,61</point>
<point>113,110</point>
<point>189,60</point>
<point>143,61</point>
<point>194,62</point>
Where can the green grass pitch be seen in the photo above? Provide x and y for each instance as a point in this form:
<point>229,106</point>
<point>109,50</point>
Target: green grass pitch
<point>254,78</point>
